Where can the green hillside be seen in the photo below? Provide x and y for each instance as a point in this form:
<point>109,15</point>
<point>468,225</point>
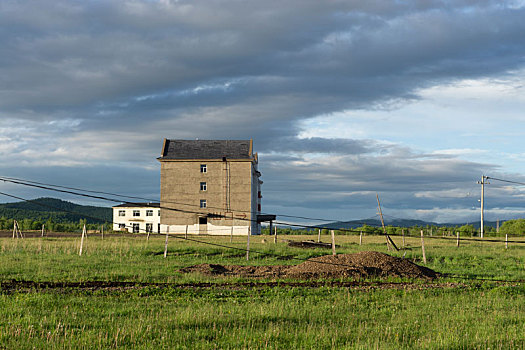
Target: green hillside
<point>56,210</point>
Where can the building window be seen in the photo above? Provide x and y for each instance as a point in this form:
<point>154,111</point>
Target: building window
<point>259,207</point>
<point>204,169</point>
<point>136,212</point>
<point>204,187</point>
<point>149,212</point>
<point>149,228</point>
<point>159,214</point>
<point>136,228</point>
<point>203,203</point>
<point>121,226</point>
<point>121,213</point>
<point>158,228</point>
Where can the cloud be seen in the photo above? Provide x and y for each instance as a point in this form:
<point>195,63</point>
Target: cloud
<point>98,85</point>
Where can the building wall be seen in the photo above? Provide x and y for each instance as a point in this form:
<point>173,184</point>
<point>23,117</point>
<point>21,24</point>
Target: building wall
<point>229,192</point>
<point>128,219</point>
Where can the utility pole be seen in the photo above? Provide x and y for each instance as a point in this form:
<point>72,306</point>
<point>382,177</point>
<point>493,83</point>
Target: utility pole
<point>483,182</point>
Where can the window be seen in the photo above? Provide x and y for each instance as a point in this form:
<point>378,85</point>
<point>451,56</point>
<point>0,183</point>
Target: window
<point>204,187</point>
<point>149,212</point>
<point>121,213</point>
<point>203,203</point>
<point>136,228</point>
<point>204,169</point>
<point>259,207</point>
<point>158,228</point>
<point>149,228</point>
<point>136,212</point>
<point>121,226</point>
<point>159,214</point>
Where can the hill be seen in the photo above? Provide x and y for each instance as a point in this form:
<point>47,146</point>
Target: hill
<point>57,210</point>
<point>403,223</point>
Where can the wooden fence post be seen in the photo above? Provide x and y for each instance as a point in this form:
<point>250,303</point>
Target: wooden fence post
<point>423,248</point>
<point>333,241</point>
<point>457,239</point>
<point>319,236</point>
<point>166,243</point>
<point>231,233</point>
<point>102,231</point>
<point>403,234</point>
<point>506,240</point>
<point>275,234</point>
<point>248,245</point>
<point>186,234</point>
<point>82,240</point>
<point>14,229</point>
<point>43,228</point>
<point>360,237</point>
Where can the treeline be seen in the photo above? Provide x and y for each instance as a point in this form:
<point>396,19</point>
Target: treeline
<point>34,225</point>
<point>56,210</point>
<point>511,227</point>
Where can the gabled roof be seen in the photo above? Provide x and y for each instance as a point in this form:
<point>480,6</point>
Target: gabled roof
<point>207,149</point>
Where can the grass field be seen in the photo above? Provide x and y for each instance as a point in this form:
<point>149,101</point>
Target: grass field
<point>48,298</point>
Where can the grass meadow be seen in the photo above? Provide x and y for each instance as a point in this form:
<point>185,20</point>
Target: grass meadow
<point>155,306</point>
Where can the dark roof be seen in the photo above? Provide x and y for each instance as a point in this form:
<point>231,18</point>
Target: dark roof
<point>207,149</point>
<point>137,205</point>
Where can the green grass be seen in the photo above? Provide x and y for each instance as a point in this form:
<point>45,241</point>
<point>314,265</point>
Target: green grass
<point>475,315</point>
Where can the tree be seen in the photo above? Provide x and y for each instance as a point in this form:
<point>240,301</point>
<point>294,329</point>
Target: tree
<point>513,227</point>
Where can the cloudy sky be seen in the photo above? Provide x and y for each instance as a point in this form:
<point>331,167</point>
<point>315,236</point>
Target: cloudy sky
<point>413,100</point>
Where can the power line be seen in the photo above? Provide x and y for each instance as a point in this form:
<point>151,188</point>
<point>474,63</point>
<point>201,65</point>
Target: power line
<point>280,255</point>
<point>508,181</point>
<point>46,185</point>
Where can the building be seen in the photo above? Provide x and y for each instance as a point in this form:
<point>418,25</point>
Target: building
<point>137,217</point>
<point>210,187</point>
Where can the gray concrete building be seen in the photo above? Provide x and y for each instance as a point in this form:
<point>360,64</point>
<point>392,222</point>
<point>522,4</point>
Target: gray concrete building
<point>210,187</point>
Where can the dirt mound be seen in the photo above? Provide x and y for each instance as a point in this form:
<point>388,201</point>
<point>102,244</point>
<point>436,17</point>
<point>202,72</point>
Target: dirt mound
<point>237,270</point>
<point>358,265</point>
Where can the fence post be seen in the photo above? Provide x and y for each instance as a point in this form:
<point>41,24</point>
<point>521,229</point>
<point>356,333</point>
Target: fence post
<point>319,236</point>
<point>360,237</point>
<point>403,234</point>
<point>457,240</point>
<point>333,241</point>
<point>506,240</point>
<point>186,234</point>
<point>82,240</point>
<point>275,234</point>
<point>166,243</point>
<point>43,228</point>
<point>14,229</point>
<point>102,231</point>
<point>231,234</point>
<point>423,248</point>
<point>248,245</point>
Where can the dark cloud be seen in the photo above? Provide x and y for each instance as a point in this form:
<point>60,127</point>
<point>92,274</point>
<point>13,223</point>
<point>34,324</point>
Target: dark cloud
<point>98,85</point>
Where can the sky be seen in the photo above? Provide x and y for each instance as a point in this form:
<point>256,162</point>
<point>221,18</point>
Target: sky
<point>410,100</point>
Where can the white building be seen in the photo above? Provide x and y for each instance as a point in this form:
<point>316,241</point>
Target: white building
<point>137,217</point>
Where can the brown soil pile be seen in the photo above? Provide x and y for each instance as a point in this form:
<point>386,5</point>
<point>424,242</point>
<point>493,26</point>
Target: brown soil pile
<point>358,265</point>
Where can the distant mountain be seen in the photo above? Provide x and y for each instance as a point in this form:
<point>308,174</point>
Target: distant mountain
<point>55,209</point>
<point>402,223</point>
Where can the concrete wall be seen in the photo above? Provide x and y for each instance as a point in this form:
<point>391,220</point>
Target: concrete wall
<point>230,190</point>
<point>128,219</point>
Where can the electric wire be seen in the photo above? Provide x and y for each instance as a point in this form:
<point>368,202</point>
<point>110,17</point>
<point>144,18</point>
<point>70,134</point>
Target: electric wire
<point>269,253</point>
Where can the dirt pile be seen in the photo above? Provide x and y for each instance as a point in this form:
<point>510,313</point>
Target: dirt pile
<point>237,270</point>
<point>358,265</point>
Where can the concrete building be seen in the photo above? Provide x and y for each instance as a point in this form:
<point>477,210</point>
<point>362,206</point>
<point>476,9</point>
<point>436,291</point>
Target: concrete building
<point>137,217</point>
<point>210,187</point>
